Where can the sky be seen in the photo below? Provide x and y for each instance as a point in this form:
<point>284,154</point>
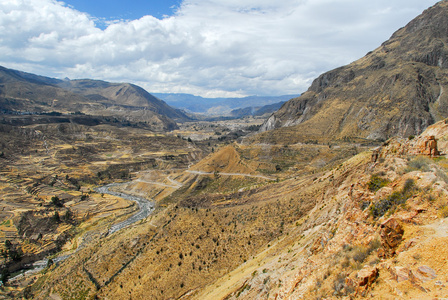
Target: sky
<point>209,48</point>
<point>110,10</point>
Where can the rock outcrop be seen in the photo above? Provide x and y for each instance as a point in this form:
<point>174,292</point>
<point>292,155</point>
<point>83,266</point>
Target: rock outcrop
<point>429,146</point>
<point>391,236</point>
<point>366,277</point>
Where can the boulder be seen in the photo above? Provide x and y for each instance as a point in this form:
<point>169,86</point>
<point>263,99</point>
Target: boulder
<point>365,278</point>
<point>424,273</point>
<point>399,274</point>
<point>391,236</point>
<point>320,243</point>
<point>367,275</point>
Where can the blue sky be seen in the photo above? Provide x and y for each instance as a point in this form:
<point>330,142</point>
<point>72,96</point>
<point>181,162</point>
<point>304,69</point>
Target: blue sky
<point>210,48</point>
<point>129,10</point>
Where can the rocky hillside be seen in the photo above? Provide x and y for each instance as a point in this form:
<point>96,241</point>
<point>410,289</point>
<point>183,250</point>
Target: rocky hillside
<point>397,89</point>
<point>24,93</point>
<point>379,230</point>
<point>121,94</point>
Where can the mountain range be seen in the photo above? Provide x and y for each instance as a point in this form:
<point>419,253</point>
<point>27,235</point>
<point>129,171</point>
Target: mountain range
<point>27,94</point>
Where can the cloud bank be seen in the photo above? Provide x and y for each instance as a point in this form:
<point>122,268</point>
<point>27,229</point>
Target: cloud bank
<point>208,48</point>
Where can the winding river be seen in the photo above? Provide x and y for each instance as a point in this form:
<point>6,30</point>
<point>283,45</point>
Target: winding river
<point>145,209</point>
<point>145,206</point>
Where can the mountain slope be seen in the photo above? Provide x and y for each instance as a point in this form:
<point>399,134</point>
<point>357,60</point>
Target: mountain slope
<point>378,231</point>
<point>124,94</point>
<point>27,93</point>
<point>256,110</point>
<point>396,89</point>
<point>21,91</point>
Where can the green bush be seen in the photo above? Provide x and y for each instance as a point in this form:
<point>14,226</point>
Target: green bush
<point>443,212</point>
<point>382,206</point>
<point>376,182</point>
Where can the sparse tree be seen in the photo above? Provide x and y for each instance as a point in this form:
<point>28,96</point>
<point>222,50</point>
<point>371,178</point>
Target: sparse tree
<point>56,201</point>
<point>50,263</point>
<point>8,244</point>
<point>67,215</point>
<point>16,254</point>
<point>4,275</point>
<point>56,218</point>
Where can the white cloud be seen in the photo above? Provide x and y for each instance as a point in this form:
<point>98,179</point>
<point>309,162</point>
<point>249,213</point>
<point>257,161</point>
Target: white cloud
<point>210,47</point>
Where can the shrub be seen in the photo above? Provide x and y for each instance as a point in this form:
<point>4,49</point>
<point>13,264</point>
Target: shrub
<point>376,183</point>
<point>382,206</point>
<point>374,245</point>
<point>56,201</point>
<point>16,254</point>
<point>379,208</point>
<point>360,254</point>
<point>50,263</point>
<point>67,215</point>
<point>364,205</point>
<point>409,187</point>
<point>55,218</point>
<point>443,211</point>
<point>339,283</point>
<point>4,276</point>
<point>420,163</point>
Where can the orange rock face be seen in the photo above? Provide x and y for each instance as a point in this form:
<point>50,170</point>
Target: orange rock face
<point>366,277</point>
<point>429,147</point>
<point>391,236</point>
